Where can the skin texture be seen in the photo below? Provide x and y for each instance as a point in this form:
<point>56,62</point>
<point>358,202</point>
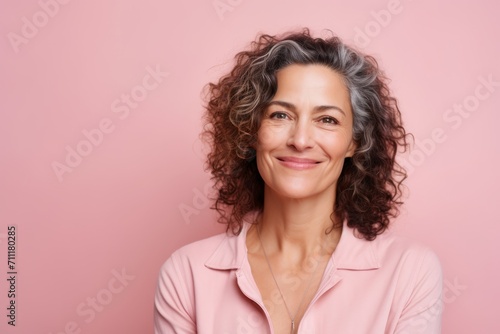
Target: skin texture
<point>304,137</point>
<point>309,117</point>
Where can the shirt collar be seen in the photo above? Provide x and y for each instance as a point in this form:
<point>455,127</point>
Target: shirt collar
<point>231,252</point>
<point>352,252</point>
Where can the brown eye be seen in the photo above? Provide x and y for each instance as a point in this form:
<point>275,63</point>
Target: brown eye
<point>278,115</point>
<point>329,120</point>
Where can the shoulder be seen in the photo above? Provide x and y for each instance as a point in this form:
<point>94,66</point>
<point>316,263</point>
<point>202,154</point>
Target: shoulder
<point>411,260</point>
<point>175,291</point>
<point>396,247</point>
<point>194,253</point>
<point>388,252</point>
<point>417,281</point>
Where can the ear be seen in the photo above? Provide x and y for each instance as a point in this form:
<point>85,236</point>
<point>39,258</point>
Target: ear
<point>351,149</point>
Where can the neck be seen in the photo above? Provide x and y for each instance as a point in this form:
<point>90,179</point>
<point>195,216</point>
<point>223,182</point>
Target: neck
<point>297,227</point>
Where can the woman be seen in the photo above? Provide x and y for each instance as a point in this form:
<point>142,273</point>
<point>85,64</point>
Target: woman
<point>304,135</point>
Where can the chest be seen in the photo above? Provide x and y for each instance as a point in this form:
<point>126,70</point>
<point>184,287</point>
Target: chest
<point>287,291</point>
<point>347,301</point>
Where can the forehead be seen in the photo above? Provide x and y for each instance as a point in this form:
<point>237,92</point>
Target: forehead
<point>310,75</point>
<point>312,83</point>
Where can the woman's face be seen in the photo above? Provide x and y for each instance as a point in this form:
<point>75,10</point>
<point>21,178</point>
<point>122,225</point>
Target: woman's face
<point>305,133</point>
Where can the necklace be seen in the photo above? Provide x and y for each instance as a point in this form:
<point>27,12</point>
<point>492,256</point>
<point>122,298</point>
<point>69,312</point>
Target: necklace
<point>292,318</point>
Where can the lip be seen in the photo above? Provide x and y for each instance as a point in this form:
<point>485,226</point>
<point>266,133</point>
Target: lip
<point>298,163</point>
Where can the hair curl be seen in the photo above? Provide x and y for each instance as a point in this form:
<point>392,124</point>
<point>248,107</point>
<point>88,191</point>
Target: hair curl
<point>369,187</point>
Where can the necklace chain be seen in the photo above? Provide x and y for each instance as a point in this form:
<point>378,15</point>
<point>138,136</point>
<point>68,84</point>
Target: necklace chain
<point>292,318</point>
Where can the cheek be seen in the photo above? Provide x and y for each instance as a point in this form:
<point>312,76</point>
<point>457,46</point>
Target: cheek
<point>268,136</point>
<point>267,141</point>
<point>263,166</point>
<point>337,146</point>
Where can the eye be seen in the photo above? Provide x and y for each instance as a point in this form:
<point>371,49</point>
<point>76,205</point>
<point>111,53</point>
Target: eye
<point>278,115</point>
<point>329,120</point>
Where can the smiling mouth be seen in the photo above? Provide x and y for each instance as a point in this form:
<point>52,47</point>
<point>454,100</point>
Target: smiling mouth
<point>298,163</point>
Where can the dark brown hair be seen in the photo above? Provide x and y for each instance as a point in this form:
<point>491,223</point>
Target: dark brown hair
<point>369,187</point>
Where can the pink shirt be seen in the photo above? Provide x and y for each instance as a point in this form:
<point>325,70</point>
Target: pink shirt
<point>389,285</point>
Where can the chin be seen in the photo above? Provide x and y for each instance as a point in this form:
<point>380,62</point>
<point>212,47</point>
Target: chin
<point>297,191</point>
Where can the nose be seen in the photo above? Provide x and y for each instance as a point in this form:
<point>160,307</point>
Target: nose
<point>301,135</point>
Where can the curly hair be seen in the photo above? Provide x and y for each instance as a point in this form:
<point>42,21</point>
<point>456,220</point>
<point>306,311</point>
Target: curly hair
<point>369,187</point>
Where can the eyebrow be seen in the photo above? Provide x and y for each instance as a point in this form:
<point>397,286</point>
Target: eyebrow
<point>293,108</point>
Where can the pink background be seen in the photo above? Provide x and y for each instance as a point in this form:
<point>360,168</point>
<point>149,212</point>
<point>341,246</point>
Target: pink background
<point>138,193</point>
